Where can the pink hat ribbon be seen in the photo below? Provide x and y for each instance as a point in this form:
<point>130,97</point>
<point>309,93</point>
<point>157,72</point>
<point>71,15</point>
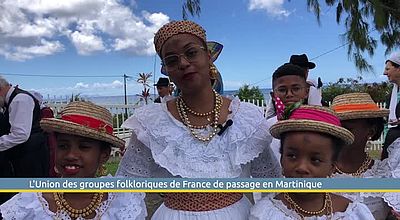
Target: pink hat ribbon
<point>315,115</point>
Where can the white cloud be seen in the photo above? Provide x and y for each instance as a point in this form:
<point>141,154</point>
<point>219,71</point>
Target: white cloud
<point>20,53</point>
<point>91,25</point>
<point>91,89</point>
<point>81,85</point>
<point>114,85</point>
<point>274,8</point>
<point>87,43</point>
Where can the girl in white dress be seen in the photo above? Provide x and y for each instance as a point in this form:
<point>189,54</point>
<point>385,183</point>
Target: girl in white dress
<point>360,115</point>
<point>311,138</point>
<point>199,134</point>
<point>84,141</point>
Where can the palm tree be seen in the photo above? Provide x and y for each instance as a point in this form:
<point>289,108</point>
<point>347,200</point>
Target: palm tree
<point>191,7</point>
<point>361,17</point>
<point>144,79</point>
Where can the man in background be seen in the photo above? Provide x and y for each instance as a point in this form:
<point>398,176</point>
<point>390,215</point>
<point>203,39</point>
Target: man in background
<point>315,93</point>
<point>23,141</point>
<point>164,90</point>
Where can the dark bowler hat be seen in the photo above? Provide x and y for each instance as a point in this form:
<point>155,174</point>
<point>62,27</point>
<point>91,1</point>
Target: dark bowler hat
<point>162,81</point>
<point>302,61</point>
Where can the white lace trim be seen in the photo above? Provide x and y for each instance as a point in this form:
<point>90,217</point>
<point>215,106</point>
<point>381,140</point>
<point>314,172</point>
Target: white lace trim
<point>34,206</point>
<point>173,147</point>
<point>387,168</point>
<point>270,208</point>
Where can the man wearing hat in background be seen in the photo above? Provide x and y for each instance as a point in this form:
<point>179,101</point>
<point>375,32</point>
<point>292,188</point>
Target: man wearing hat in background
<point>315,94</point>
<point>163,89</point>
<point>392,71</point>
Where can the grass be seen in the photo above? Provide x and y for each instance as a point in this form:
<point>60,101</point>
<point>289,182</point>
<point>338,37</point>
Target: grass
<point>112,166</point>
<point>375,154</point>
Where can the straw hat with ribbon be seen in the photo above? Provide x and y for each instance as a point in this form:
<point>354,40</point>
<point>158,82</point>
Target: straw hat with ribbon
<point>357,106</point>
<point>84,119</point>
<point>312,118</point>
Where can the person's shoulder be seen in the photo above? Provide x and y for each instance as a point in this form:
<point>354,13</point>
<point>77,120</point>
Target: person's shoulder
<point>339,202</point>
<point>270,208</point>
<point>23,206</point>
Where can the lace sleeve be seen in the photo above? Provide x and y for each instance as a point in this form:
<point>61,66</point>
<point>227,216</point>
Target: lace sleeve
<point>137,160</point>
<point>266,165</point>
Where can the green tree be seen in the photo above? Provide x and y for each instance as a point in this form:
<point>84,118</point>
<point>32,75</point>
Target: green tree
<point>191,7</point>
<point>76,97</point>
<point>360,17</point>
<point>378,91</point>
<point>247,93</point>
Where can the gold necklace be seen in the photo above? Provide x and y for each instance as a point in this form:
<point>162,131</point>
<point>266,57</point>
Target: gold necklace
<point>364,167</point>
<point>182,111</point>
<point>299,210</point>
<point>191,111</point>
<point>62,204</point>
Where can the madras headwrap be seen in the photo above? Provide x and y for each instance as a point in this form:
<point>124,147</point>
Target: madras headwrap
<point>177,27</point>
<point>215,49</point>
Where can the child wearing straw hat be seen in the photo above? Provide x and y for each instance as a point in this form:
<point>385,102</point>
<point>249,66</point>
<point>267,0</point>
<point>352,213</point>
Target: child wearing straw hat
<point>360,115</point>
<point>84,140</point>
<point>311,139</point>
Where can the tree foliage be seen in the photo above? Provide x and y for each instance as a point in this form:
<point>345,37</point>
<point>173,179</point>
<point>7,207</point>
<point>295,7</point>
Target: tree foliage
<point>75,98</point>
<point>361,18</point>
<point>247,93</point>
<point>191,7</point>
<point>378,91</point>
<point>144,80</point>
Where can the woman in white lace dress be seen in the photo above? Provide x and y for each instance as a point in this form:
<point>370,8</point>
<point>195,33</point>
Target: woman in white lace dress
<point>84,141</point>
<point>359,114</point>
<point>311,138</point>
<point>190,135</point>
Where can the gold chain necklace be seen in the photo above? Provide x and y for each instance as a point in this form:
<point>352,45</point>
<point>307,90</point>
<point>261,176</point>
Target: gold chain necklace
<point>364,167</point>
<point>62,204</point>
<point>182,111</point>
<point>191,111</point>
<point>327,206</point>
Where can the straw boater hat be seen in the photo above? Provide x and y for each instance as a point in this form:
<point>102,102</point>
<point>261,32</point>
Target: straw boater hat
<point>356,106</point>
<point>84,119</point>
<point>313,118</point>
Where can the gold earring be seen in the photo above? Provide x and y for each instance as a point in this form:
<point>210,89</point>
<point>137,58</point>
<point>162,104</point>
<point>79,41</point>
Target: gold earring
<point>56,170</point>
<point>102,171</point>
<point>213,71</point>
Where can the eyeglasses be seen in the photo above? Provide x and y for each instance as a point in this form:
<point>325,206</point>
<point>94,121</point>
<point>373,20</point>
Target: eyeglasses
<point>282,91</point>
<point>191,55</point>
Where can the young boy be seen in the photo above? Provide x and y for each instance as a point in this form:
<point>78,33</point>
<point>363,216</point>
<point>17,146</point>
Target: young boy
<point>289,86</point>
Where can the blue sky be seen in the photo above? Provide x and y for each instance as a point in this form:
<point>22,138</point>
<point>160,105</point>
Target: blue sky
<point>111,38</point>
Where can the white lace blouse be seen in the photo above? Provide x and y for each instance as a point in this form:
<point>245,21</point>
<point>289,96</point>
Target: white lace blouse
<point>33,206</point>
<point>379,203</point>
<point>162,146</point>
<point>270,208</point>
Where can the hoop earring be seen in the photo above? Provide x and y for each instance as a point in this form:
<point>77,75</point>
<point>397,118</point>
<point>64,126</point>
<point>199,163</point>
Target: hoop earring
<point>102,171</point>
<point>213,71</point>
<point>56,170</point>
